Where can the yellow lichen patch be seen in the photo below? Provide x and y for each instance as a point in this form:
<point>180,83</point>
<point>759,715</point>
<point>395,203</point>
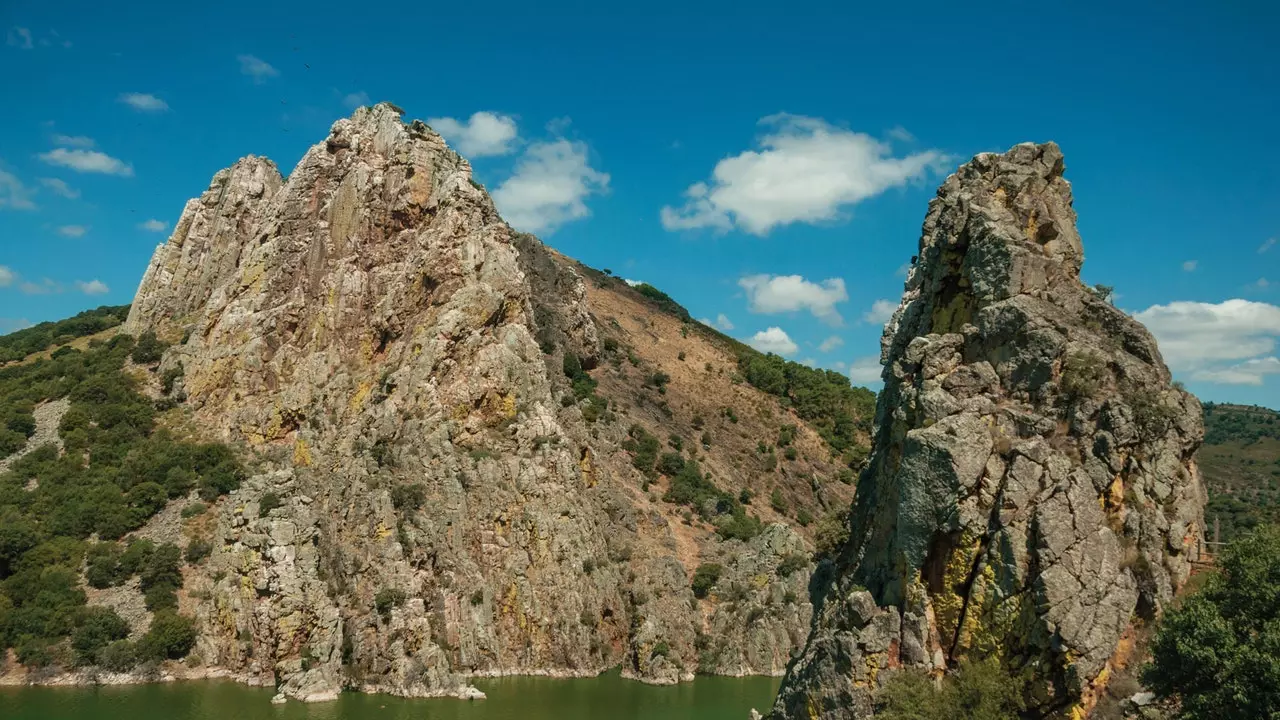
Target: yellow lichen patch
<point>1032,226</point>
<point>361,394</point>
<point>760,580</point>
<point>301,454</point>
<point>253,276</point>
<point>383,532</point>
<point>588,471</point>
<point>460,412</point>
<point>509,405</point>
<point>947,603</point>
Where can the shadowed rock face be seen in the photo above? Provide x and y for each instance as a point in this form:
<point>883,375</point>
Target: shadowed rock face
<point>1031,488</point>
<point>369,325</point>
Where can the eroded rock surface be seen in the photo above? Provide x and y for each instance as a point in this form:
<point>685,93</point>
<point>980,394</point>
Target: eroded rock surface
<point>392,353</point>
<point>1032,489</point>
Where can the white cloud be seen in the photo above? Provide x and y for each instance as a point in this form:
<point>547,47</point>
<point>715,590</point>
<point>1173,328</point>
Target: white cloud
<point>865,370</point>
<point>830,344</point>
<point>154,225</point>
<point>355,99</point>
<point>901,134</point>
<point>1189,266</point>
<point>881,312</point>
<point>1229,342</point>
<point>549,187</point>
<point>1261,284</point>
<point>773,340</point>
<point>44,287</point>
<point>20,38</point>
<point>13,194</point>
<point>143,102</point>
<point>483,134</point>
<point>631,282</point>
<point>7,276</point>
<point>721,322</point>
<point>259,70</point>
<point>60,187</point>
<point>788,293</point>
<point>80,141</point>
<point>1266,245</point>
<point>72,231</point>
<point>87,161</point>
<point>806,170</point>
<point>92,287</point>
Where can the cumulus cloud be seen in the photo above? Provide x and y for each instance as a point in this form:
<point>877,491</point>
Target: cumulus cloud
<point>20,38</point>
<point>1189,266</point>
<point>87,161</point>
<point>805,170</point>
<point>13,194</point>
<point>483,134</point>
<point>142,102</point>
<point>830,344</point>
<point>1231,342</point>
<point>60,187</point>
<point>80,141</point>
<point>721,322</point>
<point>7,276</point>
<point>154,225</point>
<point>865,370</point>
<point>72,231</point>
<point>881,312</point>
<point>773,340</point>
<point>355,99</point>
<point>92,287</point>
<point>549,188</point>
<point>260,70</point>
<point>770,294</point>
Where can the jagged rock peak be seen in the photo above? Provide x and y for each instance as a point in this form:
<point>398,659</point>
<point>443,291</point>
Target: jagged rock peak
<point>1031,489</point>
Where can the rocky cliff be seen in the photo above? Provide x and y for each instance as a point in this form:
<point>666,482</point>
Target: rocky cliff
<point>440,492</point>
<point>1032,490</point>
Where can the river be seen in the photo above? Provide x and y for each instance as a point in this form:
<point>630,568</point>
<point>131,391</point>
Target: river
<point>516,698</point>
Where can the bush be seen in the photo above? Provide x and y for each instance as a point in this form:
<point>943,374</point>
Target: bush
<point>1218,653</point>
<point>160,577</point>
<point>97,627</point>
<point>792,563</point>
<point>671,463</point>
<point>268,502</point>
<point>778,502</point>
<point>193,509</point>
<point>119,656</point>
<point>407,498</point>
<point>388,598</point>
<point>198,549</point>
<point>1083,375</point>
<point>705,578</point>
<point>170,637</point>
<point>790,453</point>
<point>148,349</point>
<point>803,517</point>
<point>975,691</point>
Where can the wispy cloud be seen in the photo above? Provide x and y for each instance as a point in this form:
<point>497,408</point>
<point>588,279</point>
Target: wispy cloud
<point>483,134</point>
<point>7,276</point>
<point>258,69</point>
<point>1190,265</point>
<point>60,187</point>
<point>1266,245</point>
<point>830,344</point>
<point>13,193</point>
<point>87,161</point>
<point>143,102</point>
<point>549,188</point>
<point>20,38</point>
<point>154,225</point>
<point>44,287</point>
<point>79,141</point>
<point>72,231</point>
<point>92,287</point>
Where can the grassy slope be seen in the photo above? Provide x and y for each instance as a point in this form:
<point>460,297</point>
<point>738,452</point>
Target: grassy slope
<point>1240,461</point>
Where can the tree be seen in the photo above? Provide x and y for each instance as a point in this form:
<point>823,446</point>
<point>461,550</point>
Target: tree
<point>97,627</point>
<point>171,636</point>
<point>1219,652</point>
<point>981,690</point>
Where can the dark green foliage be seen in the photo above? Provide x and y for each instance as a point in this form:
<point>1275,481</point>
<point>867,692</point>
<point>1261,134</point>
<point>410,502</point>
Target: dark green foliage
<point>975,691</point>
<point>1219,652</point>
<point>790,453</point>
<point>169,378</point>
<point>792,563</point>
<point>745,496</point>
<point>477,598</point>
<point>824,398</point>
<point>407,498</point>
<point>18,345</point>
<point>104,565</point>
<point>706,440</point>
<point>739,525</point>
<point>584,388</point>
<point>119,656</point>
<point>670,463</point>
<point>148,349</point>
<point>676,442</point>
<point>95,628</point>
<point>268,502</point>
<point>1083,375</point>
<point>1240,461</point>
<point>193,509</point>
<point>778,502</point>
<point>643,447</point>
<point>803,517</point>
<point>705,578</point>
<point>786,434</point>
<point>388,598</point>
<point>197,550</point>
<point>663,301</point>
<point>160,577</point>
<point>170,637</point>
<point>830,534</point>
<point>135,556</point>
<point>659,380</point>
<point>660,649</point>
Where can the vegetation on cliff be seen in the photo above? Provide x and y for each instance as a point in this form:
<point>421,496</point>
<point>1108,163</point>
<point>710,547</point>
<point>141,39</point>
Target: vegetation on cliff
<point>18,345</point>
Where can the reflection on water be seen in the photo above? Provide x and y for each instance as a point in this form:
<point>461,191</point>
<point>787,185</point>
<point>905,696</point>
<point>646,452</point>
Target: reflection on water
<point>523,698</point>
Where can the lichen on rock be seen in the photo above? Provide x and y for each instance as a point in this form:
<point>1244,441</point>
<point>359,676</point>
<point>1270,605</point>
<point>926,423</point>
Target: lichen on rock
<point>1031,490</point>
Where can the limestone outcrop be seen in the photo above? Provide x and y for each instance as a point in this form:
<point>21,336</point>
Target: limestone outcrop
<point>1032,489</point>
<point>429,503</point>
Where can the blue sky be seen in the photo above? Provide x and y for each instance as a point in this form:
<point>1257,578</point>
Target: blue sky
<point>766,163</point>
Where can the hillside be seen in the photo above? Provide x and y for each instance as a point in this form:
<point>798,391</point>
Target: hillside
<point>1240,461</point>
<point>356,433</point>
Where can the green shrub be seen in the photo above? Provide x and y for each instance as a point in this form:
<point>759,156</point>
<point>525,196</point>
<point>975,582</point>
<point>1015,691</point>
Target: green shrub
<point>170,637</point>
<point>193,509</point>
<point>148,349</point>
<point>268,502</point>
<point>1083,375</point>
<point>792,563</point>
<point>160,577</point>
<point>388,598</point>
<point>408,498</point>
<point>705,578</point>
<point>119,656</point>
<point>197,550</point>
<point>975,691</point>
<point>103,569</point>
<point>778,502</point>
<point>803,517</point>
<point>671,463</point>
<point>96,627</point>
<point>790,453</point>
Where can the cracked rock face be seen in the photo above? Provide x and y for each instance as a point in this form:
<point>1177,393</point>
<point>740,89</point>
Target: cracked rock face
<point>1031,489</point>
<point>371,328</point>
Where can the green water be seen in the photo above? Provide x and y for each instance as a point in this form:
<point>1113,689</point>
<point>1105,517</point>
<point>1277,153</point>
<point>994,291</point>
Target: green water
<point>524,698</point>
